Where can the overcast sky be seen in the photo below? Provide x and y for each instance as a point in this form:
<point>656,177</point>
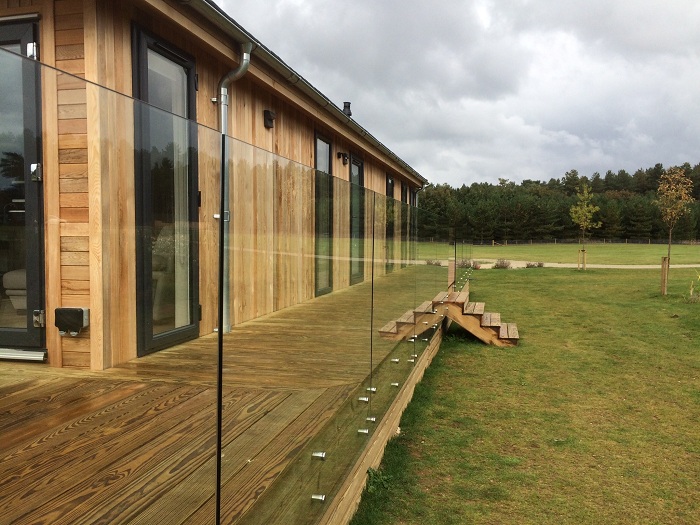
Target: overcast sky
<point>473,90</point>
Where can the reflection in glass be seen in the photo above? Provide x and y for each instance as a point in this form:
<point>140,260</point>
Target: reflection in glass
<point>13,251</point>
<point>324,233</point>
<point>357,222</point>
<point>169,171</point>
<point>324,218</point>
<point>389,224</point>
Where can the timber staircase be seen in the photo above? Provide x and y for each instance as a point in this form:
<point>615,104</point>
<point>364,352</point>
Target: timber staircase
<point>485,326</point>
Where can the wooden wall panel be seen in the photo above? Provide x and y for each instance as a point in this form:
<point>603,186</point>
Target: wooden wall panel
<point>209,185</point>
<point>308,231</point>
<point>252,229</point>
<point>73,197</point>
<point>294,256</point>
<point>91,194</point>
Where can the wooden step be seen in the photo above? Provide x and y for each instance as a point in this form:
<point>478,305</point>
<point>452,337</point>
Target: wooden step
<point>407,318</point>
<point>462,298</point>
<point>424,308</point>
<point>441,297</point>
<point>492,320</point>
<point>509,331</point>
<point>474,308</point>
<point>452,297</point>
<point>389,328</point>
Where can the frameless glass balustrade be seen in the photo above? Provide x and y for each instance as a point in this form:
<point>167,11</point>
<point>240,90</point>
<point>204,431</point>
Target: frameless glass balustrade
<point>324,291</point>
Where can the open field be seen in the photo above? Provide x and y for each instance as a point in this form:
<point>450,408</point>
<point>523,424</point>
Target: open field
<point>593,418</point>
<point>565,253</point>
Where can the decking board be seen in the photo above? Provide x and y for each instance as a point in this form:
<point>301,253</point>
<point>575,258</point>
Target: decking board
<point>61,472</point>
<point>135,443</point>
<point>175,462</point>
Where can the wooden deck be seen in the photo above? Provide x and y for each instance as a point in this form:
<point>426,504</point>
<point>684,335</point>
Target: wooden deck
<point>136,444</point>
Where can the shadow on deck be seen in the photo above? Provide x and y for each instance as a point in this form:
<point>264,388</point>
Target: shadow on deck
<point>136,443</point>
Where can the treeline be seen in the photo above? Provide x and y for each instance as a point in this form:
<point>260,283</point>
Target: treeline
<point>539,211</point>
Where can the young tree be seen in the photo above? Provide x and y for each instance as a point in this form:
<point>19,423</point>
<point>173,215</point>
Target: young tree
<point>674,197</point>
<point>582,212</point>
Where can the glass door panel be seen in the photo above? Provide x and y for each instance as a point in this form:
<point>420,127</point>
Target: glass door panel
<point>21,218</point>
<point>167,211</point>
<point>167,88</point>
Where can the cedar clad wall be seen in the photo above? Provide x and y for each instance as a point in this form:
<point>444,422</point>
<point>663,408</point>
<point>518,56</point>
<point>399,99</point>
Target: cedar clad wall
<point>65,168</point>
<point>89,187</point>
<point>73,173</point>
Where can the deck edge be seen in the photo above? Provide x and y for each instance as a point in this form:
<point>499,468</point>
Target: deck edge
<point>344,505</point>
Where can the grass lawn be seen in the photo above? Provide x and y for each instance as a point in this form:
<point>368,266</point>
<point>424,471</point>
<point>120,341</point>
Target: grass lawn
<point>565,253</point>
<point>594,418</point>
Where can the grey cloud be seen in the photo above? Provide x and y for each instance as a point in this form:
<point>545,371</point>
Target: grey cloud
<point>472,90</point>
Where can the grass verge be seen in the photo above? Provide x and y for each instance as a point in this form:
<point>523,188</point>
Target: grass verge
<point>594,418</point>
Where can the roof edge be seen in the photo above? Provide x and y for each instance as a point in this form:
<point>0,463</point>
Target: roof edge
<point>220,18</point>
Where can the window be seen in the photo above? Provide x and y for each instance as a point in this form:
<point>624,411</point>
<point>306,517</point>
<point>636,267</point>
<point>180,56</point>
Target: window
<point>390,223</point>
<point>357,220</point>
<point>323,217</point>
<point>405,230</point>
<point>166,196</point>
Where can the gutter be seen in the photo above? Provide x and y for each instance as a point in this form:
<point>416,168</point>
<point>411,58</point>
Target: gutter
<point>212,12</point>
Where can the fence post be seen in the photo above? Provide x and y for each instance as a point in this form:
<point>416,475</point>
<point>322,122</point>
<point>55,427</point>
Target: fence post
<point>581,259</point>
<point>664,275</point>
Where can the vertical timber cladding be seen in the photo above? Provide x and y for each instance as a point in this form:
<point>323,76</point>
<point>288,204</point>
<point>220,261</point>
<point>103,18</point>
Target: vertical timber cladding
<point>73,174</point>
<point>272,201</point>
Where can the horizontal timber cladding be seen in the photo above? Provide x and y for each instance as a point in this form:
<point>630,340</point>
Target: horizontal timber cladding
<point>73,181</point>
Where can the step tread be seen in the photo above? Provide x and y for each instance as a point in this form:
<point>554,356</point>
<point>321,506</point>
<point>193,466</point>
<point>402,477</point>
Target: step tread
<point>474,308</point>
<point>407,318</point>
<point>441,297</point>
<point>389,328</point>
<point>424,308</point>
<point>491,319</point>
<point>452,297</point>
<point>509,331</point>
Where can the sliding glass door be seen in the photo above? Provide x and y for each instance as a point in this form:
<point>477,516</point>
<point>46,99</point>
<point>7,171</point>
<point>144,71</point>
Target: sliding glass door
<point>21,216</point>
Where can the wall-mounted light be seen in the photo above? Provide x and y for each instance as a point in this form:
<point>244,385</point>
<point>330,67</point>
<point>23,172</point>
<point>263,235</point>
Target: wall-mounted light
<point>343,156</point>
<point>269,117</point>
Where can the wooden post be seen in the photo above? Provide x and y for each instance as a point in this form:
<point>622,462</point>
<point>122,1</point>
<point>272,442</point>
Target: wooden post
<point>581,260</point>
<point>664,275</point>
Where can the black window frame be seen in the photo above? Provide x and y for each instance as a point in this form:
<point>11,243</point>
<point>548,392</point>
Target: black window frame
<point>24,32</point>
<point>390,223</point>
<point>357,191</point>
<point>405,223</point>
<point>323,180</point>
<point>142,41</point>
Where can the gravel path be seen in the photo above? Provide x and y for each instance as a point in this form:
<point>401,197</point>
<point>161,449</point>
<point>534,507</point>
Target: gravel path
<point>488,263</point>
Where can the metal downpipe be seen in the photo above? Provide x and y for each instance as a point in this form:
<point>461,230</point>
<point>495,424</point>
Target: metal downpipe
<point>224,259</point>
<point>225,215</point>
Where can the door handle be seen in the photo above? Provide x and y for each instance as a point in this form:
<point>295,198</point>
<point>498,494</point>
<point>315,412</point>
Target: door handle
<point>36,172</point>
